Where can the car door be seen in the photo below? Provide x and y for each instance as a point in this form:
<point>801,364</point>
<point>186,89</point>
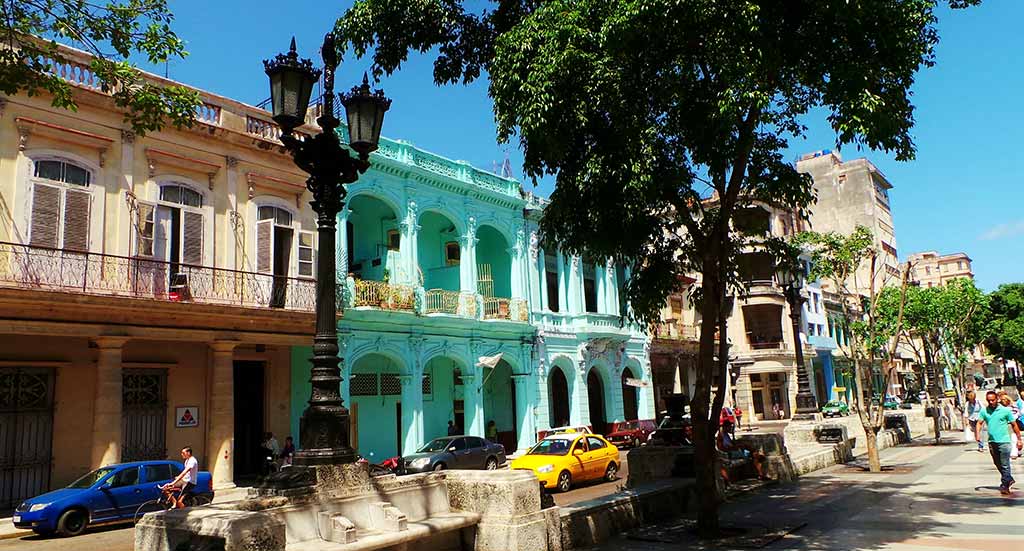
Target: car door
<point>124,493</point>
<point>596,457</point>
<point>460,453</point>
<point>578,461</point>
<point>476,455</point>
<point>156,474</point>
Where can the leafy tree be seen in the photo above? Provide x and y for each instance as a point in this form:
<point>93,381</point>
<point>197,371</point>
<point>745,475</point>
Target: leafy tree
<point>1004,334</point>
<point>660,119</point>
<point>111,30</point>
<point>872,323</point>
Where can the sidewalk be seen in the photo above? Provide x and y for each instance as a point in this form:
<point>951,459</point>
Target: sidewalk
<point>8,531</point>
<point>934,498</point>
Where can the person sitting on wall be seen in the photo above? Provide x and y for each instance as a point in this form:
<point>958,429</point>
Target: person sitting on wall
<point>492,431</point>
<point>734,449</point>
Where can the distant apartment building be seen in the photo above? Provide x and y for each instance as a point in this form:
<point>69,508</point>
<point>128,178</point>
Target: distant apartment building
<point>850,194</point>
<point>930,269</point>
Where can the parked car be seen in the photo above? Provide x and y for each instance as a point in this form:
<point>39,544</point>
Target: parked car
<point>673,430</point>
<point>630,433</point>
<point>835,408</point>
<point>107,495</point>
<point>561,460</point>
<point>454,452</point>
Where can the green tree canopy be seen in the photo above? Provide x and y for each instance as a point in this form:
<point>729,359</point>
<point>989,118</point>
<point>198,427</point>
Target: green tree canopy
<point>111,31</point>
<point>1005,333</point>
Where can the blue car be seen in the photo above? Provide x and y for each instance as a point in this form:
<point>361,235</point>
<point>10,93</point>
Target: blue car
<point>107,495</point>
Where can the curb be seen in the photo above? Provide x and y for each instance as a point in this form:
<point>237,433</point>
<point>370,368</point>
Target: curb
<point>15,534</point>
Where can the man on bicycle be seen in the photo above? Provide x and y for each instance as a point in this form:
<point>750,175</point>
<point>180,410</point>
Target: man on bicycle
<point>186,481</point>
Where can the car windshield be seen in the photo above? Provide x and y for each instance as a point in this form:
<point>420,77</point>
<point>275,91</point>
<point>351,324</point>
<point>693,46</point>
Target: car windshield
<point>435,445</point>
<point>834,405</point>
<point>630,425</point>
<point>91,478</point>
<point>555,446</point>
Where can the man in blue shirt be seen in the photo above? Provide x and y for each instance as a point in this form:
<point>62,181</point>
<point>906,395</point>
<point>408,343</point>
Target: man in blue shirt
<point>1000,421</point>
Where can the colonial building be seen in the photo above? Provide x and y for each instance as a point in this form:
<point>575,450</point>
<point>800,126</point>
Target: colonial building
<point>157,291</point>
<point>930,269</point>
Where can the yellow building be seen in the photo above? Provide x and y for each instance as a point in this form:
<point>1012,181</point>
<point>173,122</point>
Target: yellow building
<point>930,269</point>
<point>141,277</point>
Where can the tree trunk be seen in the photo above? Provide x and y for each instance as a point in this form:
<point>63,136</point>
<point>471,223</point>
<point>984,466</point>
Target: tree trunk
<point>864,412</point>
<point>871,443</point>
<point>706,460</point>
<point>933,391</point>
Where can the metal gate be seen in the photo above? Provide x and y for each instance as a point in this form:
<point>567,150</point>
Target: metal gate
<point>144,414</point>
<point>26,433</point>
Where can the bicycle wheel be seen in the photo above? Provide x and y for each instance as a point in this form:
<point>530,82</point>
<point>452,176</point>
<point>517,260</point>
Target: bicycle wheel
<point>150,506</point>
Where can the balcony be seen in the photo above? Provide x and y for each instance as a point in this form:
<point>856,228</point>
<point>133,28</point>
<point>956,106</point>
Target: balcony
<point>383,295</point>
<point>670,330</point>
<point>85,273</point>
<point>440,301</point>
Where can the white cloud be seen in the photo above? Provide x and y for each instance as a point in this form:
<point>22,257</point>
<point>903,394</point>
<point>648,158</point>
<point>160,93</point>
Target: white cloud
<point>1007,229</point>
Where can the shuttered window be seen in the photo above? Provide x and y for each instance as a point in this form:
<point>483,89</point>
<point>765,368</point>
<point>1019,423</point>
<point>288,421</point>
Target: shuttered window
<point>192,233</point>
<point>306,254</point>
<point>265,246</point>
<point>145,228</point>
<point>61,204</point>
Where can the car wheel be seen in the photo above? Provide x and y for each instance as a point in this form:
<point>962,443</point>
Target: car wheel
<point>492,464</point>
<point>636,442</point>
<point>611,472</point>
<point>72,522</point>
<point>564,481</point>
<point>439,467</point>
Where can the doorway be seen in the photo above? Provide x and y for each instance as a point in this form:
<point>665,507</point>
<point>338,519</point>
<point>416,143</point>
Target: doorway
<point>26,433</point>
<point>249,402</point>
<point>282,258</point>
<point>559,399</point>
<point>595,399</point>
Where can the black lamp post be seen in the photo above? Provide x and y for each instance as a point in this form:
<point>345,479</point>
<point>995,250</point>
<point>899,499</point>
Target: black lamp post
<point>792,281</point>
<point>324,428</point>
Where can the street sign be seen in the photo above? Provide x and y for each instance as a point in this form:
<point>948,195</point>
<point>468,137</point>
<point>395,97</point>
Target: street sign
<point>636,382</point>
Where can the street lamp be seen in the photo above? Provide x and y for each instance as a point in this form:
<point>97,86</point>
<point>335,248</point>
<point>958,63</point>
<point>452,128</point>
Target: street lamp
<point>791,278</point>
<point>324,427</point>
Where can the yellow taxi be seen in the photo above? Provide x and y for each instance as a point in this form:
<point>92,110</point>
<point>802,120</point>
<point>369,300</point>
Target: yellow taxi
<point>561,460</point>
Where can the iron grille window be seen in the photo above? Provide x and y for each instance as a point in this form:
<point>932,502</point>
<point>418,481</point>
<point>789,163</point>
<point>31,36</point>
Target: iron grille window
<point>389,384</point>
<point>427,385</point>
<point>363,384</point>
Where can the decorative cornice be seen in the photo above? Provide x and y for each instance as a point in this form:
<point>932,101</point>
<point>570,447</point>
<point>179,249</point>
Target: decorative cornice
<point>28,127</point>
<point>156,157</point>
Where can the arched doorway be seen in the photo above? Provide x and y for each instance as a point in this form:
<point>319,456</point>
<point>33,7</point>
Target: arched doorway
<point>375,402</point>
<point>443,397</point>
<point>373,239</point>
<point>595,399</point>
<point>494,272</point>
<point>559,398</point>
<point>500,405</point>
<point>630,397</point>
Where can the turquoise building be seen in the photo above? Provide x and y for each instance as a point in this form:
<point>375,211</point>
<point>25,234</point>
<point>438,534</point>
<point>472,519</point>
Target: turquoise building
<point>443,277</point>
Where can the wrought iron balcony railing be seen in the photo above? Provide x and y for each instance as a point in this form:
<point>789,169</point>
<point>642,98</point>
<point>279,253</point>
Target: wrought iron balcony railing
<point>61,270</point>
<point>386,296</point>
<point>675,331</point>
<point>440,301</point>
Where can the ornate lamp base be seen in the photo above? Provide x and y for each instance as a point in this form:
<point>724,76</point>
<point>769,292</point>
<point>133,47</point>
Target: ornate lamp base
<point>323,432</point>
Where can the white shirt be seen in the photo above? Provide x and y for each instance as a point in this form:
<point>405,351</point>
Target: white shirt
<point>191,470</point>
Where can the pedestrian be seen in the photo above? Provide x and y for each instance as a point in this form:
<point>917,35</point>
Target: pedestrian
<point>288,452</point>
<point>492,431</point>
<point>739,417</point>
<point>974,407</point>
<point>452,429</point>
<point>1006,402</point>
<point>998,420</point>
<point>777,410</point>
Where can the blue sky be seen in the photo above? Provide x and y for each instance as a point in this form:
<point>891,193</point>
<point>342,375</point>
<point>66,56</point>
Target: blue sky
<point>964,191</point>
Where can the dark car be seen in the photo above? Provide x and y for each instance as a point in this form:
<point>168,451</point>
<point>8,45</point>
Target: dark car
<point>673,430</point>
<point>454,452</point>
<point>107,495</point>
<point>630,433</point>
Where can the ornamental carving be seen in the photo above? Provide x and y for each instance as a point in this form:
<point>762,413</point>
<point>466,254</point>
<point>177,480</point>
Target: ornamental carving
<point>534,245</point>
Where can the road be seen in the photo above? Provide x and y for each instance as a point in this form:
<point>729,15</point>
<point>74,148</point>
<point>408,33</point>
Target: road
<point>936,498</point>
<point>121,538</point>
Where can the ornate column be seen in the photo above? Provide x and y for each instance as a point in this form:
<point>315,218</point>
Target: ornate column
<point>107,412</point>
<point>580,415</point>
<point>575,286</point>
<point>230,245</point>
<point>412,411</point>
<point>524,406</point>
<point>467,258</point>
<point>220,435</point>
<point>535,274</point>
<point>124,218</point>
<point>409,246</point>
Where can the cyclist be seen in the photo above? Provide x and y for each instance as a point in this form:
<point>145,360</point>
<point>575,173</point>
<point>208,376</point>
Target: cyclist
<point>186,481</point>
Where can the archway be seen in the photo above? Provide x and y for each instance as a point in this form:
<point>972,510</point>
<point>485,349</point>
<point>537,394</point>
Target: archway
<point>439,255</point>
<point>373,239</point>
<point>558,398</point>
<point>443,397</point>
<point>494,272</point>
<point>500,405</point>
<point>595,400</point>
<point>630,397</point>
<point>375,401</point>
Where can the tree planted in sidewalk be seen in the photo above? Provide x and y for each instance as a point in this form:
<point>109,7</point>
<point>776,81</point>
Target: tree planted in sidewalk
<point>941,325</point>
<point>871,332</point>
<point>111,32</point>
<point>1004,334</point>
<point>661,119</point>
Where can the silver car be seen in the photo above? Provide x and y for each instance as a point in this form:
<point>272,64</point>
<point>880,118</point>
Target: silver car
<point>454,452</point>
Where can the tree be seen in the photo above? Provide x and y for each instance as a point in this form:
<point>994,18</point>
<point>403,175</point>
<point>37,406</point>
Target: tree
<point>116,29</point>
<point>941,327</point>
<point>872,332</point>
<point>1004,334</point>
<point>661,119</point>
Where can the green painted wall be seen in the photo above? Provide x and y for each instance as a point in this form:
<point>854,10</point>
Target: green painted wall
<point>498,404</point>
<point>300,387</point>
<point>376,416</point>
<point>493,249</point>
<point>435,231</point>
<point>438,407</point>
<point>371,219</point>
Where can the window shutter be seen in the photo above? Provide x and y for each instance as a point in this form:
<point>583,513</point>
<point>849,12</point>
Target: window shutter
<point>192,238</point>
<point>45,216</point>
<point>306,240</point>
<point>265,246</point>
<point>145,224</point>
<point>76,220</point>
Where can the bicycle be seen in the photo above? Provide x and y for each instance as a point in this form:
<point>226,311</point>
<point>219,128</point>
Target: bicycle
<point>166,503</point>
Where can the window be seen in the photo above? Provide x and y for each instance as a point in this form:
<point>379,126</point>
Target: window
<point>394,240</point>
<point>306,254</point>
<point>181,195</point>
<point>474,442</point>
<point>595,443</point>
<point>928,270</point>
<point>363,384</point>
<point>281,217</point>
<point>157,473</point>
<point>174,230</point>
<point>589,288</point>
<point>61,201</point>
<point>551,281</point>
<point>459,444</point>
<point>127,477</point>
<point>452,253</point>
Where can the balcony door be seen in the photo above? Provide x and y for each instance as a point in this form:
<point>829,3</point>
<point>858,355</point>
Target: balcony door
<point>170,235</point>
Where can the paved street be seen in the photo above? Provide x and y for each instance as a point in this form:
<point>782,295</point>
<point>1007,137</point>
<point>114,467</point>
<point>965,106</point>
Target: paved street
<point>937,498</point>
